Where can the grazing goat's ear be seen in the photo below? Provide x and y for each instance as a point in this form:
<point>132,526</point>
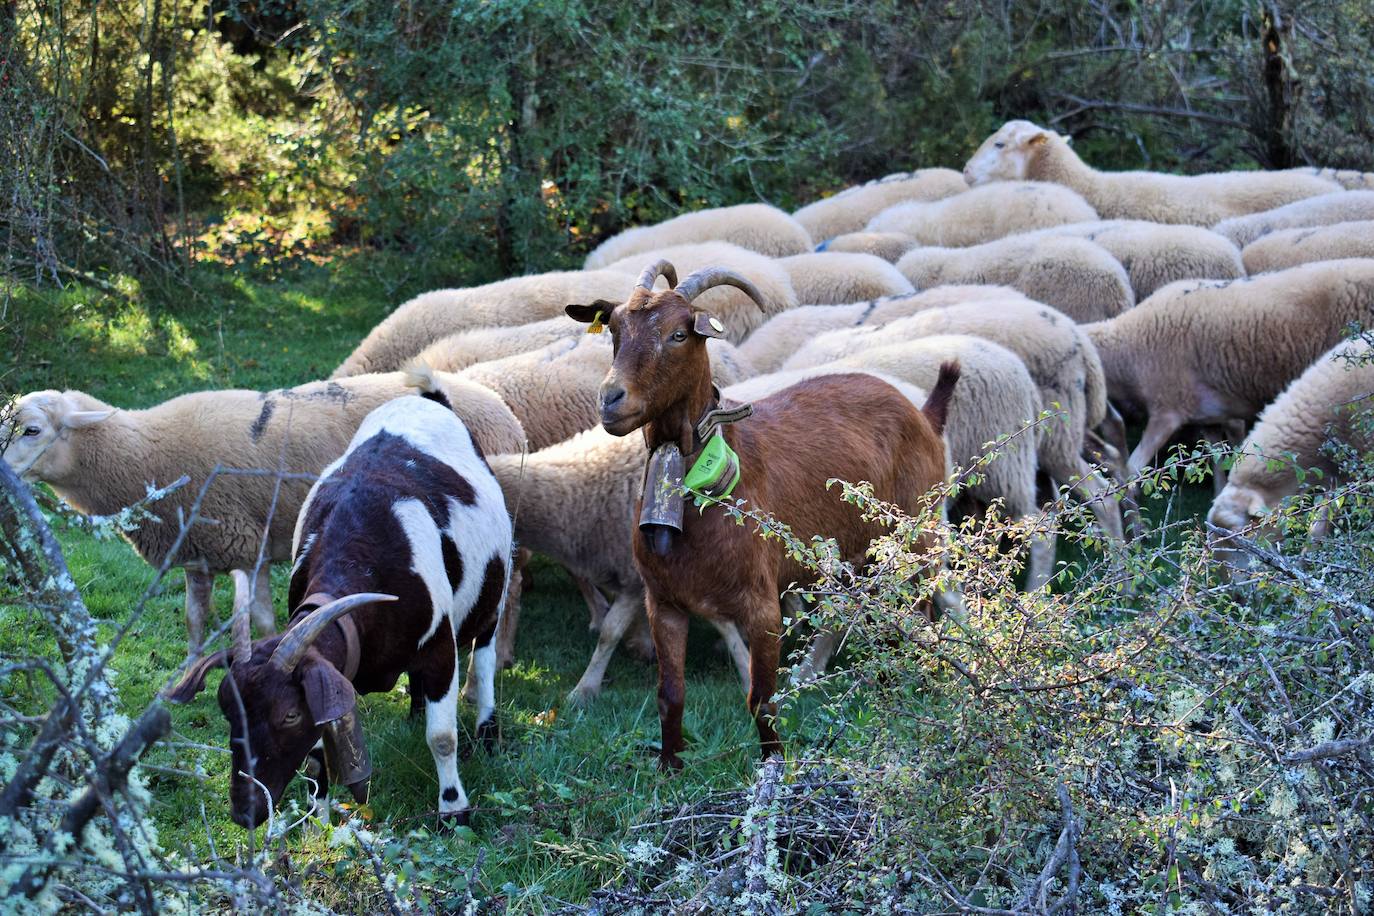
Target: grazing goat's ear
<point>708,325</point>
<point>193,681</point>
<point>587,314</point>
<point>328,693</point>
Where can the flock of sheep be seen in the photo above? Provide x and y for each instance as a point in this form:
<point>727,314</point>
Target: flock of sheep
<point>1186,302</point>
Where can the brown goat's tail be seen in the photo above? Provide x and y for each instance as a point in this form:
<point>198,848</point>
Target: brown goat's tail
<point>937,405</point>
<point>420,375</point>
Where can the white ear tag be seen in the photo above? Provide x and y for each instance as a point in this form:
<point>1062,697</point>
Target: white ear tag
<point>717,325</point>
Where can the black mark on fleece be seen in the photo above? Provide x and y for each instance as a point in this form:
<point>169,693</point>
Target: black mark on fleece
<point>259,426</point>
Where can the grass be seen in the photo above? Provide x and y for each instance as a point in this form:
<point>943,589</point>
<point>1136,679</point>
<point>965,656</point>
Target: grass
<point>555,799</point>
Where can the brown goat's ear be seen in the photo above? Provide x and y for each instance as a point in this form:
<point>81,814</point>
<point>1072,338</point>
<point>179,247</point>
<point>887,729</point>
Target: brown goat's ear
<point>587,314</point>
<point>328,693</point>
<point>193,681</point>
<point>708,325</point>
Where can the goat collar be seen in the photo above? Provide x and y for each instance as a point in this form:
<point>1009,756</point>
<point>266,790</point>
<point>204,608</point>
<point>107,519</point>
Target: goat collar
<point>352,646</point>
<point>661,506</point>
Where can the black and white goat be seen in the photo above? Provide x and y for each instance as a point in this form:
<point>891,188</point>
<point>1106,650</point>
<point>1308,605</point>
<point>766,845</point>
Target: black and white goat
<point>408,531</point>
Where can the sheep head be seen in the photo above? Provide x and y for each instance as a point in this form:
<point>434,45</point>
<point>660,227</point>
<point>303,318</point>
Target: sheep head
<point>1010,153</point>
<point>660,376</point>
<point>278,696</point>
<point>37,439</point>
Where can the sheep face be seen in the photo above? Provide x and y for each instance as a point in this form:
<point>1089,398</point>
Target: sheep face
<point>37,439</point>
<point>1235,508</point>
<point>1007,154</point>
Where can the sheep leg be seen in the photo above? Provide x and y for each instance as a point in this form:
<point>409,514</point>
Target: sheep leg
<point>638,641</point>
<point>1096,492</point>
<point>823,647</point>
<point>1162,425</point>
<point>764,648</point>
<point>734,644</point>
<point>622,613</point>
<point>1113,431</point>
<point>669,624</point>
<point>260,604</point>
<point>200,592</point>
<point>1040,565</point>
<point>597,605</point>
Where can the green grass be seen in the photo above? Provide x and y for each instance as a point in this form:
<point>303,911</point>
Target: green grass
<point>569,783</point>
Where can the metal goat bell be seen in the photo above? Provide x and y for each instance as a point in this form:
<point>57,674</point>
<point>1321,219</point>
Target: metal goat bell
<point>345,754</point>
<point>663,498</point>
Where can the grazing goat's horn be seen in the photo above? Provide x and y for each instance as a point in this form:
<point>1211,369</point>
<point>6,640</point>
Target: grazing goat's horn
<point>661,267</point>
<point>297,640</point>
<point>241,626</point>
<point>709,277</point>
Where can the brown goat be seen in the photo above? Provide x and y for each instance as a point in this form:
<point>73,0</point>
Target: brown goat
<point>848,426</point>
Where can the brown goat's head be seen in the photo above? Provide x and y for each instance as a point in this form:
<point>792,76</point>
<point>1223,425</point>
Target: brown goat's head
<point>661,374</point>
<point>278,696</point>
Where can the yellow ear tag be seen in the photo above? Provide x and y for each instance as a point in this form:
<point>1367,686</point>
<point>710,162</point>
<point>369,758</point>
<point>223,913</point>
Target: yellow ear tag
<point>596,327</point>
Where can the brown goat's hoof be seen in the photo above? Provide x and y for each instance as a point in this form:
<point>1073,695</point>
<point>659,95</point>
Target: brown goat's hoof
<point>669,763</point>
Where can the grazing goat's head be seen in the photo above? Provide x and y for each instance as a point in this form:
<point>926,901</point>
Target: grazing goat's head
<point>661,371</point>
<point>278,696</point>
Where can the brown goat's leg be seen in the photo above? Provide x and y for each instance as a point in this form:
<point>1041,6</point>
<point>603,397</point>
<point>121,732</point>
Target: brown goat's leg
<point>764,649</point>
<point>200,593</point>
<point>669,625</point>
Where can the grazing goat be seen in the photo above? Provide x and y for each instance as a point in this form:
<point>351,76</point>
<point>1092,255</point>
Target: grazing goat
<point>410,513</point>
<point>848,426</point>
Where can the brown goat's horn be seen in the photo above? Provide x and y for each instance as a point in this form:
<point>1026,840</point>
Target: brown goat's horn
<point>661,267</point>
<point>709,277</point>
<point>241,649</point>
<point>297,640</point>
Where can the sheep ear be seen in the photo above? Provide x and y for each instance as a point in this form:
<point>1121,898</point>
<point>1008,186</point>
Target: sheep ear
<point>1067,139</point>
<point>79,419</point>
<point>1039,138</point>
<point>708,325</point>
<point>328,693</point>
<point>587,314</point>
<point>193,681</point>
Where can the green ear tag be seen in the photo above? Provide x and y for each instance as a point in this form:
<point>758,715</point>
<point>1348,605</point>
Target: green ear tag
<point>596,326</point>
<point>714,473</point>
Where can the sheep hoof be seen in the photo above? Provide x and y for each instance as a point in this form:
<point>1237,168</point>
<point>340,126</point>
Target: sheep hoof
<point>582,696</point>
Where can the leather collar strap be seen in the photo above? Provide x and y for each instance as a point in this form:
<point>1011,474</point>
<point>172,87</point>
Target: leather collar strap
<point>717,416</point>
<point>352,646</point>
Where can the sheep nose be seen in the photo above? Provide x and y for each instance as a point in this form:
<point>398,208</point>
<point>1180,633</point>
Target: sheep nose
<point>611,396</point>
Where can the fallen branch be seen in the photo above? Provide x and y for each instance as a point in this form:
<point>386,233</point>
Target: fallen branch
<point>760,844</point>
<point>1327,750</point>
<point>112,774</point>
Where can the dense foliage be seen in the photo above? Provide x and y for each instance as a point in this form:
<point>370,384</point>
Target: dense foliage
<point>484,139</point>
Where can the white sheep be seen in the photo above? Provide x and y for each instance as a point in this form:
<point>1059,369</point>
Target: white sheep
<point>985,213</point>
<point>826,278</point>
<point>995,397</point>
<point>1060,358</point>
<point>421,321</point>
<point>1327,403</point>
<point>456,352</point>
<point>769,347</point>
<point>733,307</point>
<point>1350,179</point>
<point>1212,352</point>
<point>1022,151</point>
<point>1340,207</point>
<point>1291,247</point>
<point>99,459</point>
<point>1074,275</point>
<point>574,502</point>
<point>851,209</point>
<point>1156,254</point>
<point>754,227</point>
<point>553,391</point>
<point>889,246</point>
